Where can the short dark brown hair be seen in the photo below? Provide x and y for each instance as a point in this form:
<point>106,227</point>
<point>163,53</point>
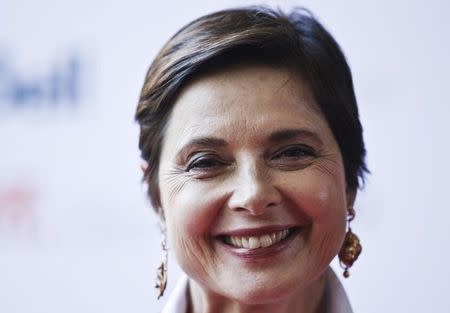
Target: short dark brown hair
<point>264,36</point>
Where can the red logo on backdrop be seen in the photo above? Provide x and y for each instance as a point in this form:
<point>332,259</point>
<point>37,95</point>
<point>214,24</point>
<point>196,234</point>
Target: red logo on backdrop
<point>17,209</point>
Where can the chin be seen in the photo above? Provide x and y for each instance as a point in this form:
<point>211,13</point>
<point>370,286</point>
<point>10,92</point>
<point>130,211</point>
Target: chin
<point>265,293</point>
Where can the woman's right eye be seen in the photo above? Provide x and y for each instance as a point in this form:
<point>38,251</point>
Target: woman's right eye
<point>204,163</point>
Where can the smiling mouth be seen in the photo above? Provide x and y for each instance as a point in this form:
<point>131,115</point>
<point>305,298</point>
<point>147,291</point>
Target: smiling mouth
<point>256,242</point>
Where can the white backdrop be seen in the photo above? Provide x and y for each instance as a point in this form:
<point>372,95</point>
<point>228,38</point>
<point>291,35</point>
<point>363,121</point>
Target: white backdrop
<point>76,231</point>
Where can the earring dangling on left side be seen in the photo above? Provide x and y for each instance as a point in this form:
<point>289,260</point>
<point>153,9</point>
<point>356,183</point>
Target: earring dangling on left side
<point>351,248</point>
<point>161,272</point>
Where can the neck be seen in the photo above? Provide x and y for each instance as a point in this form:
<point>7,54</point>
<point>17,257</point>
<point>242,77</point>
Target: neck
<point>309,300</point>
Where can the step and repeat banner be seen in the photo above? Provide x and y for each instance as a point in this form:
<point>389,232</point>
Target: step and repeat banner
<point>77,233</point>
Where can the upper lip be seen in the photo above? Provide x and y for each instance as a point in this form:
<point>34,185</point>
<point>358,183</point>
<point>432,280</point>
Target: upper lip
<point>259,231</point>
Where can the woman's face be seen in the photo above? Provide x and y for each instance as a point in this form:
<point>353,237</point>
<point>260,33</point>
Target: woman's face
<point>252,184</point>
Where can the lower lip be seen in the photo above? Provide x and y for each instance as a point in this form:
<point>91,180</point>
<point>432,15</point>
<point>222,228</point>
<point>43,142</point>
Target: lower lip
<point>262,255</point>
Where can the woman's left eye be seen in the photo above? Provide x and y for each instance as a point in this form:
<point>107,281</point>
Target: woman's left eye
<point>295,152</point>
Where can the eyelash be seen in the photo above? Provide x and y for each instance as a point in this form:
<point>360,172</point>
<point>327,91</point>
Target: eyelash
<point>300,151</point>
<point>210,161</point>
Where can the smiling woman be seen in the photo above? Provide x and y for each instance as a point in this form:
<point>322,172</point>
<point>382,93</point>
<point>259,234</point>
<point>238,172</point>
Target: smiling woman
<point>252,149</point>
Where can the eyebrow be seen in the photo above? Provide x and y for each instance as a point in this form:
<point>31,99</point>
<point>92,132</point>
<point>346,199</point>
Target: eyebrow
<point>205,142</point>
<point>277,136</point>
<point>291,133</point>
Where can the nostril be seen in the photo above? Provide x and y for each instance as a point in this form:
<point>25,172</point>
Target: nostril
<point>254,194</point>
<point>256,207</point>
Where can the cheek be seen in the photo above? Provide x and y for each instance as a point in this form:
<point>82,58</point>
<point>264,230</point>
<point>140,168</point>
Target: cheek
<point>194,208</point>
<point>328,205</point>
<point>322,200</point>
<point>190,216</point>
<point>320,195</point>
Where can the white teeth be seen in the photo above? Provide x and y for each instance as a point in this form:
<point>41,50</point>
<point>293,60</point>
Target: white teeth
<point>244,244</point>
<point>255,242</point>
<point>278,236</point>
<point>273,237</point>
<point>265,241</point>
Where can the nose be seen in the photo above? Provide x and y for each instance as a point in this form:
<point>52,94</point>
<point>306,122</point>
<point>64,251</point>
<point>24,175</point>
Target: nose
<point>254,191</point>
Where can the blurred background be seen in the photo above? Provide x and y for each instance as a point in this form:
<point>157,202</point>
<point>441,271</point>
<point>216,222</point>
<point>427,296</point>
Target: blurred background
<point>77,233</point>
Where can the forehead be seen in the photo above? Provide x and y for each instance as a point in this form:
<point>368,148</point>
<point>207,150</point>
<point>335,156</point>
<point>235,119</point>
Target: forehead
<point>262,83</point>
<point>243,100</point>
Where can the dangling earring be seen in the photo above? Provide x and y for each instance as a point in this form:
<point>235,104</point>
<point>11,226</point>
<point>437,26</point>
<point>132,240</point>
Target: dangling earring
<point>351,248</point>
<point>161,272</point>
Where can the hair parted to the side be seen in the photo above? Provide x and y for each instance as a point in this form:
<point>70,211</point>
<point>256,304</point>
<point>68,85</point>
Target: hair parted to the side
<point>263,36</point>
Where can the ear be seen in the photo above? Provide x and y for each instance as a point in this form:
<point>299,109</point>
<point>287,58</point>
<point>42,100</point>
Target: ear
<point>144,166</point>
<point>351,196</point>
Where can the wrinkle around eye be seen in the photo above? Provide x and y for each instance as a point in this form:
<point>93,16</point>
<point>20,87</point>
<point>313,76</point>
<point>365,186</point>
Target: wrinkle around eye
<point>328,164</point>
<point>293,163</point>
<point>175,179</point>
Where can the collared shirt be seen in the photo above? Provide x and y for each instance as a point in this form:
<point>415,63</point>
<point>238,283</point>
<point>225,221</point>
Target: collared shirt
<point>336,299</point>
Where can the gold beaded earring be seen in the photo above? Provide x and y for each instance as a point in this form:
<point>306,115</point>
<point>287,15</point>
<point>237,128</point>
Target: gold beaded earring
<point>161,272</point>
<point>351,248</point>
